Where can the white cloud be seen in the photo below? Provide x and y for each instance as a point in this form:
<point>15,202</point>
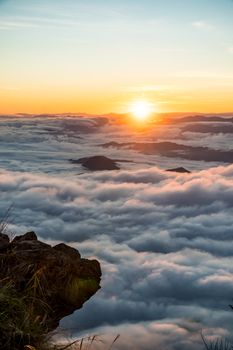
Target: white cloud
<point>164,242</point>
<point>164,239</point>
<point>202,25</point>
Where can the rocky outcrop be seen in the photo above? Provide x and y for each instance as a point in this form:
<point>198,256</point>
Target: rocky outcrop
<point>180,170</point>
<point>96,163</point>
<point>176,150</point>
<point>55,279</point>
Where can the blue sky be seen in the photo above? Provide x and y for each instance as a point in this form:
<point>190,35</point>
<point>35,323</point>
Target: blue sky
<point>107,47</point>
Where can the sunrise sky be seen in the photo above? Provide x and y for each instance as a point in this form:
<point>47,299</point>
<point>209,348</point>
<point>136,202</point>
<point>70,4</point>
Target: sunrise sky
<point>97,56</point>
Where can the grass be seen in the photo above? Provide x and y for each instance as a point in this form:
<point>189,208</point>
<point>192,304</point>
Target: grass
<point>19,324</point>
<point>217,344</point>
<point>85,343</point>
<point>22,329</point>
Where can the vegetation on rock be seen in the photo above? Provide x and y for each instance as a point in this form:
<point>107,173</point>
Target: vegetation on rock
<point>39,285</point>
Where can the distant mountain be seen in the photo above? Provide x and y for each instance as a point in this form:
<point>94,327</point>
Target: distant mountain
<point>203,118</point>
<point>210,128</point>
<point>95,163</point>
<point>176,150</point>
<point>179,170</point>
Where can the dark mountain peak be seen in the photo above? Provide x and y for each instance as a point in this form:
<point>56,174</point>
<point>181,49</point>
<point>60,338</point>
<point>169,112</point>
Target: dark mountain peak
<point>179,170</point>
<point>97,163</point>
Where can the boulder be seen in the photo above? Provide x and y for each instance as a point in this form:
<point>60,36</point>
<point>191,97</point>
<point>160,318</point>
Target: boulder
<point>56,279</point>
<point>29,236</point>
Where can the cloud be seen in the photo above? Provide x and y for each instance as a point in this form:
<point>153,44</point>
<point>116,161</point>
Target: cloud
<point>148,88</point>
<point>164,239</point>
<point>202,25</point>
<point>177,150</point>
<point>210,129</point>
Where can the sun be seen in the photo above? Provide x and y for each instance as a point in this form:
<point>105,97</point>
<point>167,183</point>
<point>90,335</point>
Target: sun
<point>141,110</point>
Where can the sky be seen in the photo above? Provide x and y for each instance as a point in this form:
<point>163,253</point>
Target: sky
<point>97,56</point>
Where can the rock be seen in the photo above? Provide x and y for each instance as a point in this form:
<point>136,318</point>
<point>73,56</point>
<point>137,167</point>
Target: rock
<point>4,241</point>
<point>29,236</point>
<point>65,249</point>
<point>97,163</point>
<point>180,170</point>
<point>56,278</point>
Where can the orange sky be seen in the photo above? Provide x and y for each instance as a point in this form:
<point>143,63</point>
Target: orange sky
<point>61,101</point>
<point>98,58</point>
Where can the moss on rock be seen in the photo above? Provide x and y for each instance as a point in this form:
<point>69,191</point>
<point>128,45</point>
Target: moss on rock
<point>80,289</point>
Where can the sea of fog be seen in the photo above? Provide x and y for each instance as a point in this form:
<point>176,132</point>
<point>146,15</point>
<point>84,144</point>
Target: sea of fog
<point>164,239</point>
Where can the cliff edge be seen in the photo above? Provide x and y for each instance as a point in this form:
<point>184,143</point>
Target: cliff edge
<point>52,281</point>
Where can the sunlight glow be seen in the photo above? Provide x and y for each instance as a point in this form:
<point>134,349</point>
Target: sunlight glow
<point>141,110</point>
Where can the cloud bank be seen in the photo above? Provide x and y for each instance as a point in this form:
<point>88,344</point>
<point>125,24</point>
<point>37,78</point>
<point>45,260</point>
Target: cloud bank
<point>164,239</point>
